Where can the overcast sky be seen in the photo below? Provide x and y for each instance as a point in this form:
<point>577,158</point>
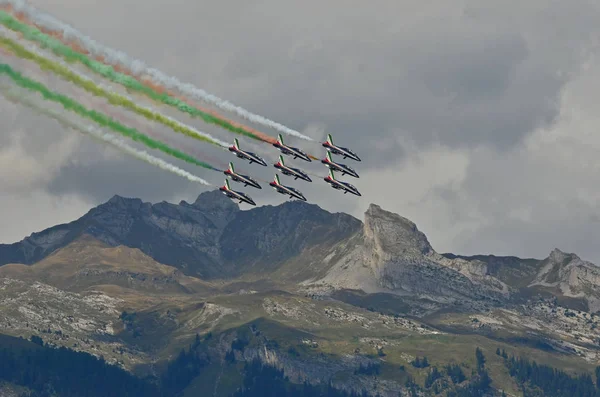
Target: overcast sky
<point>476,120</point>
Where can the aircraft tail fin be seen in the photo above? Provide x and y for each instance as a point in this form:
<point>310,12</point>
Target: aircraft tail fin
<point>236,143</point>
<point>328,154</point>
<point>277,180</point>
<point>227,184</point>
<point>281,161</point>
<point>231,167</point>
<point>331,174</point>
<point>329,139</point>
<point>280,139</point>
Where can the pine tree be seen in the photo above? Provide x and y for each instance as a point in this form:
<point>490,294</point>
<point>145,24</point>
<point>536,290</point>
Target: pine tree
<point>480,359</point>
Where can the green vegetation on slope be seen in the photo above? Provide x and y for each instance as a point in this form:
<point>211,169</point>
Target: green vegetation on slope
<point>66,373</point>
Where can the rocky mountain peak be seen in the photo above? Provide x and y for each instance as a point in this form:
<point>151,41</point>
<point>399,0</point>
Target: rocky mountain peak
<point>214,200</point>
<point>568,275</point>
<point>393,234</point>
<point>124,202</point>
<point>120,206</point>
<point>561,258</point>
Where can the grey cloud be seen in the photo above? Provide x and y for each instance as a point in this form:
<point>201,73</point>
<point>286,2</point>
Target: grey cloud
<point>537,239</point>
<point>454,77</point>
<point>122,175</point>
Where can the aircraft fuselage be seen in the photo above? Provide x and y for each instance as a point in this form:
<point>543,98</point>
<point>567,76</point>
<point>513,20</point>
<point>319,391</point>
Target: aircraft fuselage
<point>251,157</point>
<point>246,180</point>
<point>286,190</point>
<point>344,169</point>
<point>339,185</point>
<point>341,151</point>
<point>241,197</point>
<point>296,173</point>
<point>292,151</point>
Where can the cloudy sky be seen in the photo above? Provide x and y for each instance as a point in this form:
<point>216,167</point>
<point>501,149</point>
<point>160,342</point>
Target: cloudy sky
<point>476,120</point>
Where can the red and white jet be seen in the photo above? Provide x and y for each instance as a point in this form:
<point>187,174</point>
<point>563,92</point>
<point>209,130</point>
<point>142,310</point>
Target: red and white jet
<point>245,179</point>
<point>295,172</point>
<point>232,194</point>
<point>343,168</point>
<point>339,185</point>
<point>341,151</point>
<point>252,157</point>
<point>293,193</point>
<point>290,151</point>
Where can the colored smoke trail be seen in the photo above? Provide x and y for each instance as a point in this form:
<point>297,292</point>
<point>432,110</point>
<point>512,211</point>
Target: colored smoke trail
<point>112,97</point>
<point>148,131</point>
<point>31,33</point>
<point>135,68</point>
<point>102,136</point>
<point>99,118</point>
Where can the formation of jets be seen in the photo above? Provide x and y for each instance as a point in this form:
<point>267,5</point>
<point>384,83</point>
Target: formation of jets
<point>290,171</point>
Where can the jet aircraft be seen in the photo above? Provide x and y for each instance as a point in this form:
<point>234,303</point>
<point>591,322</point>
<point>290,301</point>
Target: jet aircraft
<point>252,157</point>
<point>286,189</point>
<point>232,194</point>
<point>245,179</point>
<point>290,151</point>
<point>339,185</point>
<point>343,168</point>
<point>341,151</point>
<point>295,172</point>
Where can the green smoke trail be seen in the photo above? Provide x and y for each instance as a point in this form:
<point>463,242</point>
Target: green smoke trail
<point>33,34</point>
<point>98,134</point>
<point>91,87</point>
<point>99,118</point>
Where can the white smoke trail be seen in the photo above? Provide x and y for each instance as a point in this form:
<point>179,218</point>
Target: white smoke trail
<point>138,68</point>
<point>16,37</point>
<point>70,122</point>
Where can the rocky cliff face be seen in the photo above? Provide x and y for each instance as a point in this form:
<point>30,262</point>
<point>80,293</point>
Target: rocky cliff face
<point>392,255</point>
<point>568,275</point>
<point>300,242</point>
<point>210,238</point>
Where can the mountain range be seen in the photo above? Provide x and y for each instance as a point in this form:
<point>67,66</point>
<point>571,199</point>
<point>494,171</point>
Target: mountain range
<point>321,293</point>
